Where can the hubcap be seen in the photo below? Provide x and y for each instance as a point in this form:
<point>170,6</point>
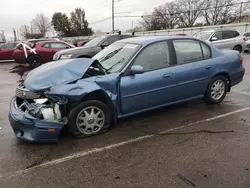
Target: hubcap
<point>90,120</point>
<point>218,89</point>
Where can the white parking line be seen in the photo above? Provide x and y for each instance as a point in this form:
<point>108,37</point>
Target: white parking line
<point>109,147</point>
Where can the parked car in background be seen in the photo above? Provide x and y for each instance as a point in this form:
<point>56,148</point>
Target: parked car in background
<point>91,48</point>
<point>45,51</point>
<point>247,35</point>
<point>128,77</point>
<point>6,51</point>
<point>223,39</point>
<point>247,49</point>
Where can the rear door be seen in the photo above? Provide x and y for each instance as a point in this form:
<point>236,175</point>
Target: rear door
<point>193,70</point>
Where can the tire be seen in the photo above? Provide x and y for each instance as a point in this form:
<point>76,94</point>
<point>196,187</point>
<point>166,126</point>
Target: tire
<point>35,61</point>
<point>77,116</point>
<point>238,48</point>
<point>211,93</point>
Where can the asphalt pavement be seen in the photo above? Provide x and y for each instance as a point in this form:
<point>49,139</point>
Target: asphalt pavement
<point>186,145</point>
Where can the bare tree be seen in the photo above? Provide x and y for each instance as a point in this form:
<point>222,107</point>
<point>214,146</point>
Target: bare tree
<point>189,11</point>
<point>167,15</point>
<point>24,30</point>
<point>223,11</point>
<point>163,17</point>
<point>42,24</point>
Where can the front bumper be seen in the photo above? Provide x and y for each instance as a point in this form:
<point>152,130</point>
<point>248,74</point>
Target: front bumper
<point>32,129</point>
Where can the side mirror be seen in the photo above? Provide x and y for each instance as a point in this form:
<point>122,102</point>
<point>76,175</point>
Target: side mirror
<point>213,39</point>
<point>136,69</point>
<point>67,47</point>
<point>105,44</point>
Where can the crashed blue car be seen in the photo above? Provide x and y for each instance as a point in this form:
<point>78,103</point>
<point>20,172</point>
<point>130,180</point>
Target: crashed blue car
<point>128,77</point>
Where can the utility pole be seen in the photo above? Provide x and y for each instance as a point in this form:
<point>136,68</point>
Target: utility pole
<point>240,11</point>
<point>113,15</point>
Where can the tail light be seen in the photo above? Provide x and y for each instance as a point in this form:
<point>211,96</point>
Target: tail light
<point>244,38</point>
<point>241,60</point>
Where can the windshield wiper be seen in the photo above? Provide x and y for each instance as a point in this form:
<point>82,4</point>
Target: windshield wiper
<point>111,54</point>
<point>115,64</point>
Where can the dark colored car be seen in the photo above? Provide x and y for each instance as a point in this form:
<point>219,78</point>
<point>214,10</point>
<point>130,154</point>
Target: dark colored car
<point>44,52</point>
<point>91,48</point>
<point>6,51</point>
<point>128,77</point>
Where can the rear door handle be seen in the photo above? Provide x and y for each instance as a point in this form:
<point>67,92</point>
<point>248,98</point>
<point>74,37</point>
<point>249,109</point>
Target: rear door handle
<point>208,67</point>
<point>167,75</point>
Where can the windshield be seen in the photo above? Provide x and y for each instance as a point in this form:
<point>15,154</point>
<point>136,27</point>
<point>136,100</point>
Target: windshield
<point>95,41</point>
<point>204,35</point>
<point>116,56</point>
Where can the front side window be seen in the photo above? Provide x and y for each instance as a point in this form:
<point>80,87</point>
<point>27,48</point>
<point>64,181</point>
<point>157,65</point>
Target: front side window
<point>187,51</point>
<point>95,41</point>
<point>112,39</point>
<point>116,56</point>
<point>217,35</point>
<point>204,35</point>
<point>154,56</point>
<point>46,45</point>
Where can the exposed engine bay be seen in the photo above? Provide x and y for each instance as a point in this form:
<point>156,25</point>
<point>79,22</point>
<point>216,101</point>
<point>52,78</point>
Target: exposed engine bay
<point>47,108</point>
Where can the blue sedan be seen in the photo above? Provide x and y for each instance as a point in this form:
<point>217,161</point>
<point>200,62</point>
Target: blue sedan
<point>128,77</point>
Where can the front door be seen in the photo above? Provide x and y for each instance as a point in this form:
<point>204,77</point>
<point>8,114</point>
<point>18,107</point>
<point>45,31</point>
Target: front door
<point>153,87</point>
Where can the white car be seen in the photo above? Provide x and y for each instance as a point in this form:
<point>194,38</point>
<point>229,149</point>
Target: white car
<point>223,39</point>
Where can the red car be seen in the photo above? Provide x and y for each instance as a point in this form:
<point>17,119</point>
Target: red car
<point>6,51</point>
<point>45,51</point>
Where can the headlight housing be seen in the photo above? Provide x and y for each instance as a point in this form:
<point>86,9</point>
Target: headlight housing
<point>66,56</point>
<point>55,57</point>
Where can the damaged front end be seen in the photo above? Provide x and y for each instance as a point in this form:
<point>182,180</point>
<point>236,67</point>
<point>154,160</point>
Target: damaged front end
<point>37,117</point>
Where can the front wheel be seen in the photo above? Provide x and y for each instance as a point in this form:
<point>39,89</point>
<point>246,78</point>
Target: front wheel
<point>216,90</point>
<point>89,118</point>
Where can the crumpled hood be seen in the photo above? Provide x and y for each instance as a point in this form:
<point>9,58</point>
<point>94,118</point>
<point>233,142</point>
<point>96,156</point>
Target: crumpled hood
<point>56,73</point>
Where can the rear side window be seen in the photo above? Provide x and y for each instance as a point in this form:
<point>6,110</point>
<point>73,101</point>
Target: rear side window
<point>187,51</point>
<point>227,34</point>
<point>206,51</point>
<point>236,34</point>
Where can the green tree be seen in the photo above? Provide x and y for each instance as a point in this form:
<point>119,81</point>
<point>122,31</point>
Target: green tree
<point>80,25</point>
<point>62,24</point>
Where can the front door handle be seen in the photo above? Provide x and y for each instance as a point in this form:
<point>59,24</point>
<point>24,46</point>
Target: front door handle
<point>167,75</point>
<point>209,67</point>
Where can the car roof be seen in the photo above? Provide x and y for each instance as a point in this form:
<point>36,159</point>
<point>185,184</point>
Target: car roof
<point>42,42</point>
<point>150,39</point>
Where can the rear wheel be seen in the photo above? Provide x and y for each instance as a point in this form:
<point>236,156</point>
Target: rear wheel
<point>216,90</point>
<point>35,61</point>
<point>89,118</point>
<point>238,48</point>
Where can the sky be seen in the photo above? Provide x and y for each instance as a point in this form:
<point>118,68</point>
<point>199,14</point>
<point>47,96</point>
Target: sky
<point>14,13</point>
